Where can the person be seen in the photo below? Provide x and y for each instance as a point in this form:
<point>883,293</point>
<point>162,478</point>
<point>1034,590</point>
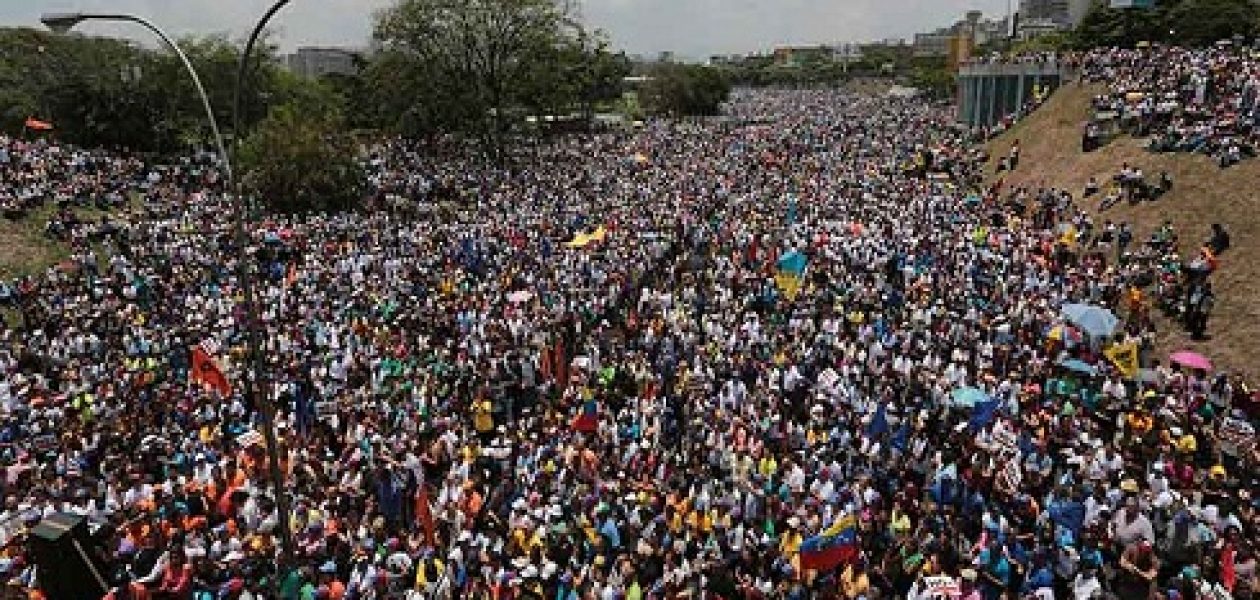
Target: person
<point>176,582</point>
<point>1218,242</point>
<point>994,570</point>
<point>854,582</point>
<point>1139,568</point>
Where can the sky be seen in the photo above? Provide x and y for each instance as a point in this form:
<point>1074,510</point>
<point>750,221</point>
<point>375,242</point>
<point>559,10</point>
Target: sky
<point>689,28</point>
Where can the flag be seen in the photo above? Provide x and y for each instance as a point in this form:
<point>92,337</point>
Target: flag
<point>902,437</point>
<point>879,423</point>
<point>845,526</point>
<point>587,420</point>
<point>206,372</point>
<point>1124,357</point>
<point>789,285</point>
<point>793,263</point>
<point>37,125</point>
<point>982,414</point>
<point>560,364</point>
<point>424,513</point>
<point>545,366</point>
<point>251,438</point>
<point>835,546</point>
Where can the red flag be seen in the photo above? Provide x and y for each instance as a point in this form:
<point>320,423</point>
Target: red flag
<point>588,420</point>
<point>37,125</point>
<point>425,514</point>
<point>208,373</point>
<point>561,362</point>
<point>544,363</point>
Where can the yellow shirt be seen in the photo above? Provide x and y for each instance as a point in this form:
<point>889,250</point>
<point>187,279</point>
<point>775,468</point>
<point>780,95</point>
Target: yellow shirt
<point>482,418</point>
<point>790,543</point>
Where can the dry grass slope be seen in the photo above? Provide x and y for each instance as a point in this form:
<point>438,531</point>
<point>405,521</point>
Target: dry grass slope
<point>1202,194</point>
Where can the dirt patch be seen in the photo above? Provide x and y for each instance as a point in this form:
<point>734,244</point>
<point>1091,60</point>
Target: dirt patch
<point>1202,194</point>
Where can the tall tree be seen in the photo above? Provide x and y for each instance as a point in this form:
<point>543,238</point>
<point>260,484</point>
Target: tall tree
<point>297,161</point>
<point>482,46</point>
<point>685,90</point>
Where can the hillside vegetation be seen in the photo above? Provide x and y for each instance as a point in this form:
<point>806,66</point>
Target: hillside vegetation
<point>1202,194</point>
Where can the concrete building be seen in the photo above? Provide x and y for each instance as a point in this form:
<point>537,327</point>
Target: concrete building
<point>932,44</point>
<point>974,26</point>
<point>1064,14</point>
<point>317,62</point>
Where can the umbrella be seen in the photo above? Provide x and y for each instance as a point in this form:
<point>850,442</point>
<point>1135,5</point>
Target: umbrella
<point>1077,365</point>
<point>520,296</point>
<point>968,397</point>
<point>1192,360</point>
<point>1093,320</point>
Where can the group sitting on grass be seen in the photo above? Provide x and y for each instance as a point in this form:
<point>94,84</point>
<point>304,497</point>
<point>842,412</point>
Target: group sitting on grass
<point>1185,100</point>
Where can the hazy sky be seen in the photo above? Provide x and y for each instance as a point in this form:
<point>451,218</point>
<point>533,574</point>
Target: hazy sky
<point>693,28</point>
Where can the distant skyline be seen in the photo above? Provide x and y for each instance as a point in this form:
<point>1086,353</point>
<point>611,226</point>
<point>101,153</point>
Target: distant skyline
<point>689,28</point>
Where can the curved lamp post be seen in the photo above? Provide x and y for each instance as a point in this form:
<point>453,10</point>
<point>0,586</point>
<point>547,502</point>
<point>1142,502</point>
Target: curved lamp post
<point>63,22</point>
<point>257,358</point>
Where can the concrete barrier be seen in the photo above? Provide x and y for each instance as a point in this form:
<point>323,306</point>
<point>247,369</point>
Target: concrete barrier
<point>988,93</point>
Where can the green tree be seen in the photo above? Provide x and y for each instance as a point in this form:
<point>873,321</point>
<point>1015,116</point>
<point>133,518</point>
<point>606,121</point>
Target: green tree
<point>480,53</point>
<point>1203,22</point>
<point>1183,22</point>
<point>301,161</point>
<point>685,90</point>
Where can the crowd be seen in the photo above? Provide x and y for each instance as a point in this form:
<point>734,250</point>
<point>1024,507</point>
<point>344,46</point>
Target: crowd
<point>35,173</point>
<point>1185,100</point>
<point>583,373</point>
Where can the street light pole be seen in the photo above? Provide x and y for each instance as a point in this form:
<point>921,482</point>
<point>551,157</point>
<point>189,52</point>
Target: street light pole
<point>257,359</point>
<point>63,22</point>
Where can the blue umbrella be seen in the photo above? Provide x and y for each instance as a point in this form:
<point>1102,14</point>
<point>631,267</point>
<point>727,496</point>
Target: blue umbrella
<point>1095,321</point>
<point>968,397</point>
<point>1077,365</point>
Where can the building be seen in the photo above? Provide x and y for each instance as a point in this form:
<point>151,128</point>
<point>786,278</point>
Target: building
<point>933,44</point>
<point>317,62</point>
<point>973,27</point>
<point>1064,14</point>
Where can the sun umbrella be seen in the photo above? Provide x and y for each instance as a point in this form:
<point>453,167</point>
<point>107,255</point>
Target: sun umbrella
<point>1192,360</point>
<point>968,397</point>
<point>1095,321</point>
<point>1077,365</point>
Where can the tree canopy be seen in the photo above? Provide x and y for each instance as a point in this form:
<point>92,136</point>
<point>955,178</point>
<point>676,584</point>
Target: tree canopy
<point>1182,22</point>
<point>684,90</point>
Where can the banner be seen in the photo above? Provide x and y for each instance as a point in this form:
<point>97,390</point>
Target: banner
<point>1124,357</point>
<point>37,125</point>
<point>1237,437</point>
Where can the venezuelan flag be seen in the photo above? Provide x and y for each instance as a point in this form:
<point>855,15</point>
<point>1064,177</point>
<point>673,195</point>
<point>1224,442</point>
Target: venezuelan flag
<point>834,546</point>
<point>588,420</point>
<point>791,273</point>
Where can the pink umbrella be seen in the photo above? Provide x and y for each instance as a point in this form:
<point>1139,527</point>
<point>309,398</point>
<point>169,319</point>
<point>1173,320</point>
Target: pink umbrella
<point>1192,360</point>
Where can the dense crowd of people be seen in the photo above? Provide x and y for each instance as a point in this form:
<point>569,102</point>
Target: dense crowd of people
<point>1186,100</point>
<point>583,373</point>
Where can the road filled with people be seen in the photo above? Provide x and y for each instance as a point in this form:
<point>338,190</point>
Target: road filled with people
<point>799,351</point>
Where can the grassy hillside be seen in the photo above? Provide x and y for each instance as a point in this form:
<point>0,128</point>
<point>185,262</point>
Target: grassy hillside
<point>1202,194</point>
<point>26,249</point>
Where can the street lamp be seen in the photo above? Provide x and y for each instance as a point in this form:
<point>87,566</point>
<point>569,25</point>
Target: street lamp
<point>63,22</point>
<point>257,359</point>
